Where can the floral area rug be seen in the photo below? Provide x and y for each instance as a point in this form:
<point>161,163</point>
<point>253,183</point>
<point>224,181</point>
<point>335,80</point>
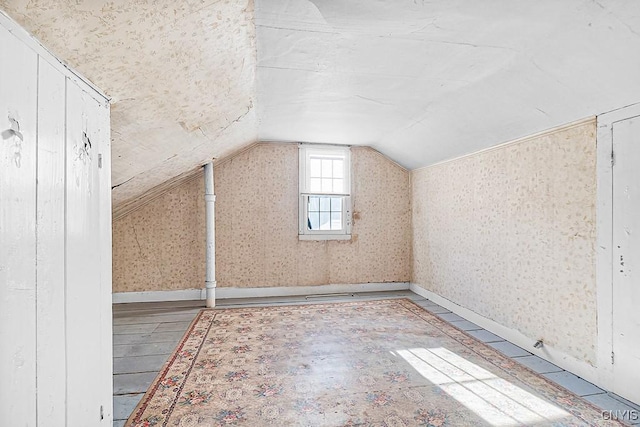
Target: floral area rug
<point>372,363</point>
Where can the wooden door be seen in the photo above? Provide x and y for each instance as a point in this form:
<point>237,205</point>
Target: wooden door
<point>626,258</point>
<point>85,307</point>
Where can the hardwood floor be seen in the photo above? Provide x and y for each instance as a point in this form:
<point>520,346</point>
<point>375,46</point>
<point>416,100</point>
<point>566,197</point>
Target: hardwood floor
<point>144,335</point>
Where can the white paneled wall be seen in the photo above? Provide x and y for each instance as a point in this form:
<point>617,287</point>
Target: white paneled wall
<point>18,100</point>
<point>55,241</point>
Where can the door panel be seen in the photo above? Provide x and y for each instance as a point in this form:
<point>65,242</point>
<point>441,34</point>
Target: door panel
<point>626,258</point>
<point>85,375</point>
<point>50,266</point>
<point>18,85</point>
<point>100,129</point>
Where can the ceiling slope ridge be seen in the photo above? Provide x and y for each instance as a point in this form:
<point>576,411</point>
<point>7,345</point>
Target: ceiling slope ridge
<point>130,206</point>
<point>523,139</point>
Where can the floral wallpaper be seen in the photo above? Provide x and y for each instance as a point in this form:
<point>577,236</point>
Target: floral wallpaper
<point>161,245</point>
<point>257,223</point>
<point>510,234</point>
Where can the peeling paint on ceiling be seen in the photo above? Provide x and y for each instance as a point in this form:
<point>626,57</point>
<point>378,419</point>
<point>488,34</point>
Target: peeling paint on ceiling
<point>421,81</point>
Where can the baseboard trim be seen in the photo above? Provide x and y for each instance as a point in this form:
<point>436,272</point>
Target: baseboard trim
<point>557,357</point>
<point>159,296</point>
<point>259,292</point>
<point>287,291</point>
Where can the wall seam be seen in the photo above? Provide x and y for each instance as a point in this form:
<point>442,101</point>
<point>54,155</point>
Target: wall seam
<point>37,364</point>
<point>411,234</point>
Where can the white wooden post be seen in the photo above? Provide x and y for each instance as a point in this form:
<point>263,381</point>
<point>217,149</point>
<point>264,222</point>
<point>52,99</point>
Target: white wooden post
<point>210,200</point>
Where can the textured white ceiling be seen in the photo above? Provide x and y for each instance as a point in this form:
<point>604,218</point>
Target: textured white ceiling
<point>421,81</point>
<point>424,81</point>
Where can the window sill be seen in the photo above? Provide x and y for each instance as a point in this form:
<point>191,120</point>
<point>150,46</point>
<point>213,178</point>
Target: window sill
<point>324,236</point>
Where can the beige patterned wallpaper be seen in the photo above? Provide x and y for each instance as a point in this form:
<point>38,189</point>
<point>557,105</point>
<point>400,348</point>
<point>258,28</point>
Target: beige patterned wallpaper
<point>257,223</point>
<point>161,246</point>
<point>510,234</point>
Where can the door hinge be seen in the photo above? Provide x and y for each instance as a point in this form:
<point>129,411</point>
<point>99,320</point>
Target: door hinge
<point>612,358</point>
<point>101,412</point>
<point>99,161</point>
<point>613,158</point>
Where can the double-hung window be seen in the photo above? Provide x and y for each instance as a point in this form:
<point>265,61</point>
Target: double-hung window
<point>325,192</point>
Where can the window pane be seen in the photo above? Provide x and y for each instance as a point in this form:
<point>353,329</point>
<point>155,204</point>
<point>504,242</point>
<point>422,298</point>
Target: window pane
<point>325,221</point>
<point>326,185</point>
<point>338,185</point>
<point>315,168</point>
<point>336,204</point>
<point>314,204</point>
<point>326,168</point>
<point>326,174</point>
<point>314,221</point>
<point>316,184</point>
<point>325,204</point>
<point>338,169</point>
<point>336,220</point>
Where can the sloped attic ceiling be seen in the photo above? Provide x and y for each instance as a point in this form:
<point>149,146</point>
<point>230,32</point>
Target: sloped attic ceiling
<point>421,81</point>
<point>181,75</point>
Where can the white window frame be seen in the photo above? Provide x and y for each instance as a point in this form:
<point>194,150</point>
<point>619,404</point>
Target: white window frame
<point>306,151</point>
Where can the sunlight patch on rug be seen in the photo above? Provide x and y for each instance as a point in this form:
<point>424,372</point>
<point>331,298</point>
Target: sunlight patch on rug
<point>369,363</point>
<point>497,401</point>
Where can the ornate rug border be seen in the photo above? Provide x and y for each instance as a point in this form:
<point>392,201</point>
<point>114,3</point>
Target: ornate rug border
<point>141,406</point>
